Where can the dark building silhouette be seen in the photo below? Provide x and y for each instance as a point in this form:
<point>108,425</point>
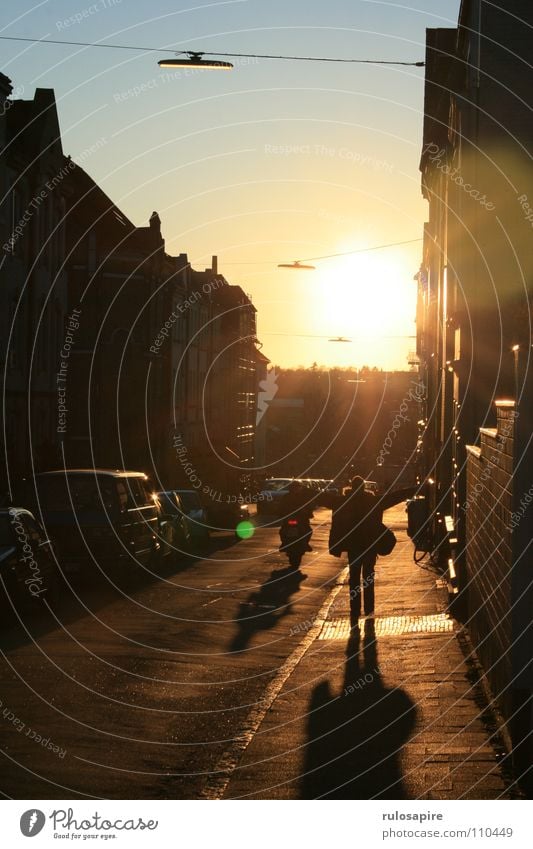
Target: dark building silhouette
<point>119,276</point>
<point>474,332</point>
<point>235,374</point>
<point>33,283</point>
<point>114,352</point>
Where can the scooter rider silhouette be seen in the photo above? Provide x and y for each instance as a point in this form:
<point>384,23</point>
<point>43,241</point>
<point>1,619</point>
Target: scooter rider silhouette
<point>298,504</point>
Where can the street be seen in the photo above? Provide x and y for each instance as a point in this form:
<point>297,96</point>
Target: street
<point>139,693</point>
<point>266,301</point>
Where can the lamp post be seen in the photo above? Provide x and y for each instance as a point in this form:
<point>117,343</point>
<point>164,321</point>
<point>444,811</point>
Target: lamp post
<point>516,350</point>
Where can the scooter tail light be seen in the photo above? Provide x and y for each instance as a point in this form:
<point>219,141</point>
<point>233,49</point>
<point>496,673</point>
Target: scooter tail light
<point>292,522</point>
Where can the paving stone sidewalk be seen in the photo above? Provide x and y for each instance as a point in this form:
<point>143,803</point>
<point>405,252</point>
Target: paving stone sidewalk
<point>395,711</point>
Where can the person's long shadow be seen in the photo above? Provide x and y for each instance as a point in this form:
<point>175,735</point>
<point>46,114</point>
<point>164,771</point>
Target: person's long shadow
<point>355,738</point>
<point>262,610</point>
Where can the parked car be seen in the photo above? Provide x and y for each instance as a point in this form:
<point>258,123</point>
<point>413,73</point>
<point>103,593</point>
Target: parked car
<point>333,488</point>
<point>195,514</point>
<point>225,515</point>
<point>271,494</point>
<point>28,572</point>
<point>175,524</point>
<point>109,515</point>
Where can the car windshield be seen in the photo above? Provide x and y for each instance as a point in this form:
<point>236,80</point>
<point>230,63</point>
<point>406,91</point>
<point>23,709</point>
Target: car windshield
<point>6,534</point>
<point>279,483</point>
<point>168,502</point>
<point>79,492</point>
<point>190,499</point>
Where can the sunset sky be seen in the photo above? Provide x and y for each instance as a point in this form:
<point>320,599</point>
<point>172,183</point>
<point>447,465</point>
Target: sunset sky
<point>273,161</point>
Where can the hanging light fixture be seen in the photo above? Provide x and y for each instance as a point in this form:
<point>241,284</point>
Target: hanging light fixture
<point>296,265</point>
<point>195,60</point>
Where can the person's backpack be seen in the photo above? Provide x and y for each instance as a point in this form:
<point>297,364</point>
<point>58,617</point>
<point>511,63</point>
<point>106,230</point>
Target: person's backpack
<point>385,542</point>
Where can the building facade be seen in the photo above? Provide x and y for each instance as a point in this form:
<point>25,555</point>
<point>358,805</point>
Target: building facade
<point>33,282</point>
<point>114,353</point>
<point>474,329</point>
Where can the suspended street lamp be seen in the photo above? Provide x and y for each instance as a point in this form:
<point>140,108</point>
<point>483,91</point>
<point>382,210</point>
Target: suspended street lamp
<point>296,265</point>
<point>195,60</point>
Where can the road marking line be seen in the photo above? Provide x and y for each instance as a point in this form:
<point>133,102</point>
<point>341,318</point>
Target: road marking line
<point>222,773</point>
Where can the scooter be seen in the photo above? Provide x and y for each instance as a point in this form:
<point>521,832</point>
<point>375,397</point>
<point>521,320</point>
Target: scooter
<point>295,535</point>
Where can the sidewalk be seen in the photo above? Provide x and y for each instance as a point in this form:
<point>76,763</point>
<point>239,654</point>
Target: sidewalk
<point>395,712</point>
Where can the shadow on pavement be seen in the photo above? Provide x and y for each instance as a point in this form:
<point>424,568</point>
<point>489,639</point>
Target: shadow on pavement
<point>355,739</point>
<point>263,609</point>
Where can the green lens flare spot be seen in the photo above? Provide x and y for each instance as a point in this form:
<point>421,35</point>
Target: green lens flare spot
<point>245,530</point>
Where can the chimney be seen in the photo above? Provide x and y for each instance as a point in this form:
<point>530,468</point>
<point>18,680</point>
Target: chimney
<point>5,87</point>
<point>214,264</point>
<point>155,223</point>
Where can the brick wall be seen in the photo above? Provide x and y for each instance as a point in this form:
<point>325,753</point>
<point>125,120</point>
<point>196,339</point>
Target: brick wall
<point>489,555</point>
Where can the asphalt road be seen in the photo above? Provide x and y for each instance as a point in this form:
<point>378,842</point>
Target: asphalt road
<point>138,691</point>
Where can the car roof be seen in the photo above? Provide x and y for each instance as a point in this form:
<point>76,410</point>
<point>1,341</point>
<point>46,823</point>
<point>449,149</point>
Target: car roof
<point>114,473</point>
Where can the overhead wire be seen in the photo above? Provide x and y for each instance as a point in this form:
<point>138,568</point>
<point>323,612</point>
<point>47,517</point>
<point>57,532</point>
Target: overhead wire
<point>360,250</point>
<point>331,256</point>
<point>206,53</point>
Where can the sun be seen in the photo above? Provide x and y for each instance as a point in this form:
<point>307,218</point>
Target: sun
<point>366,297</point>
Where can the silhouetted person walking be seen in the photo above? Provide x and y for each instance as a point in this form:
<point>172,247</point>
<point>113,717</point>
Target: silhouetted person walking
<point>355,528</point>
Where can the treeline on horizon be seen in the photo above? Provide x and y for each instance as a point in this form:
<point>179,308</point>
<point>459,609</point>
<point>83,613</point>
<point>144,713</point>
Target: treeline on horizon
<point>350,371</point>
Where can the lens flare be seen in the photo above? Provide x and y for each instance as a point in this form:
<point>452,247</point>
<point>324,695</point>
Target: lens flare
<point>245,530</point>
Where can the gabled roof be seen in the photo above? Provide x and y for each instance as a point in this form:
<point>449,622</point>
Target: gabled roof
<point>86,187</point>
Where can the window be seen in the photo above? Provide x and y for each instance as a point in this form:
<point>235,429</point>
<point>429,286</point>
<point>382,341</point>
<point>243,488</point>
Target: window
<point>122,495</point>
<point>168,502</point>
<point>6,534</point>
<point>16,329</point>
<point>32,528</point>
<point>139,494</point>
<point>77,492</point>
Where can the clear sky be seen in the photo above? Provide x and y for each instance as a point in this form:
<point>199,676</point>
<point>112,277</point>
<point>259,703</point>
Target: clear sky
<point>273,161</point>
